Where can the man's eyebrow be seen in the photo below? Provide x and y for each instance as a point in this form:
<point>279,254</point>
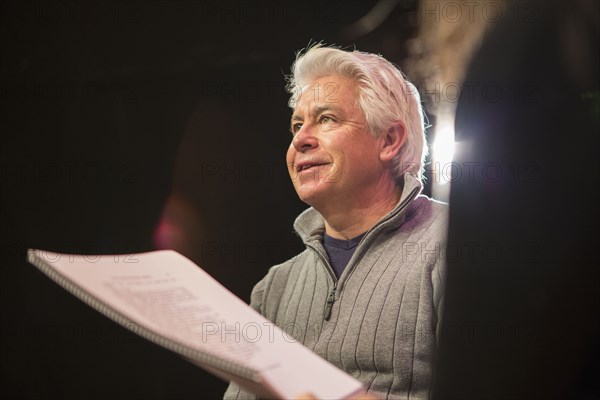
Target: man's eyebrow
<point>321,109</point>
<point>318,110</point>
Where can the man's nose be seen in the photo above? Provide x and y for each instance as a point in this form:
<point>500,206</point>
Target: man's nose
<point>305,139</point>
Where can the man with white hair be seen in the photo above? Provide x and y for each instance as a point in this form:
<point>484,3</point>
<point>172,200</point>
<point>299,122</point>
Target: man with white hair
<point>365,294</point>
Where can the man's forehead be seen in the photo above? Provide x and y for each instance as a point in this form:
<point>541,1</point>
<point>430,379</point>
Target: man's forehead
<point>327,88</point>
<point>333,93</point>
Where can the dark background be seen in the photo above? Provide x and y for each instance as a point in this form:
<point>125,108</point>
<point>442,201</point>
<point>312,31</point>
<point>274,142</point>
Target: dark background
<point>522,307</point>
<point>128,126</point>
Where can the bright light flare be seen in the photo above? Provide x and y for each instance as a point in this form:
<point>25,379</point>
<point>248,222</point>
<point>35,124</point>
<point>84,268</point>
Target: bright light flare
<point>443,149</point>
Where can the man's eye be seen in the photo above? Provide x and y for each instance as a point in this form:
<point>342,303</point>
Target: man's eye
<point>296,128</point>
<point>325,119</point>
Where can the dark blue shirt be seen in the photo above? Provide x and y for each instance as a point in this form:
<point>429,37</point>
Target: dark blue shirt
<point>340,251</point>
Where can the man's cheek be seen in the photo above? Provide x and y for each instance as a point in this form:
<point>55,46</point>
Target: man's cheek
<point>293,173</point>
<point>333,174</point>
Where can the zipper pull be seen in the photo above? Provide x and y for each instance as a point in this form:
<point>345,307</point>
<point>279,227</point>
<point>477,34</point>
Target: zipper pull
<point>330,301</point>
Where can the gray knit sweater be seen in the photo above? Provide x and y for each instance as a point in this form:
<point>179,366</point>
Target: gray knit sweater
<point>378,321</point>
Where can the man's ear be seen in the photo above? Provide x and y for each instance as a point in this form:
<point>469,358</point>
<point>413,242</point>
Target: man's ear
<point>393,140</point>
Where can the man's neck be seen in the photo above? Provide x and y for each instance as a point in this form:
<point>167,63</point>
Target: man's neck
<point>350,222</point>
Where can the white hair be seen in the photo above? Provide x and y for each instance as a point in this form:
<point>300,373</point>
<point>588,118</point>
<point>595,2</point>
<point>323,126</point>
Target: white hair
<point>385,96</point>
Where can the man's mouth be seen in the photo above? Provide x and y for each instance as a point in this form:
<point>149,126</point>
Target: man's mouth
<point>305,166</point>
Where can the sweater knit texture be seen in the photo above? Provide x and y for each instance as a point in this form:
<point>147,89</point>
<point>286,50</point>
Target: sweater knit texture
<point>382,324</point>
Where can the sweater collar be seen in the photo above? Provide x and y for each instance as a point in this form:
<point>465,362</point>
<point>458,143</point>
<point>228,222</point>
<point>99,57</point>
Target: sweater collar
<point>310,224</point>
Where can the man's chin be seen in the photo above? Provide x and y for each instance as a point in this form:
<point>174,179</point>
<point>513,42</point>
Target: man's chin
<point>312,196</point>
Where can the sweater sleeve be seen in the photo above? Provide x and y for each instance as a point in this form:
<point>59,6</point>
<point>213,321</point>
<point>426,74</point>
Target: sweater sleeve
<point>234,391</point>
<point>438,281</point>
<point>438,275</point>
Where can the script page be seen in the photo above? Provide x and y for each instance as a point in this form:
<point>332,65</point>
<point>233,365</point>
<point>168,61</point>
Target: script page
<point>168,294</point>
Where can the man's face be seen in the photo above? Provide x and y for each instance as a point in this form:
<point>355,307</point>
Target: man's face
<point>332,157</point>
